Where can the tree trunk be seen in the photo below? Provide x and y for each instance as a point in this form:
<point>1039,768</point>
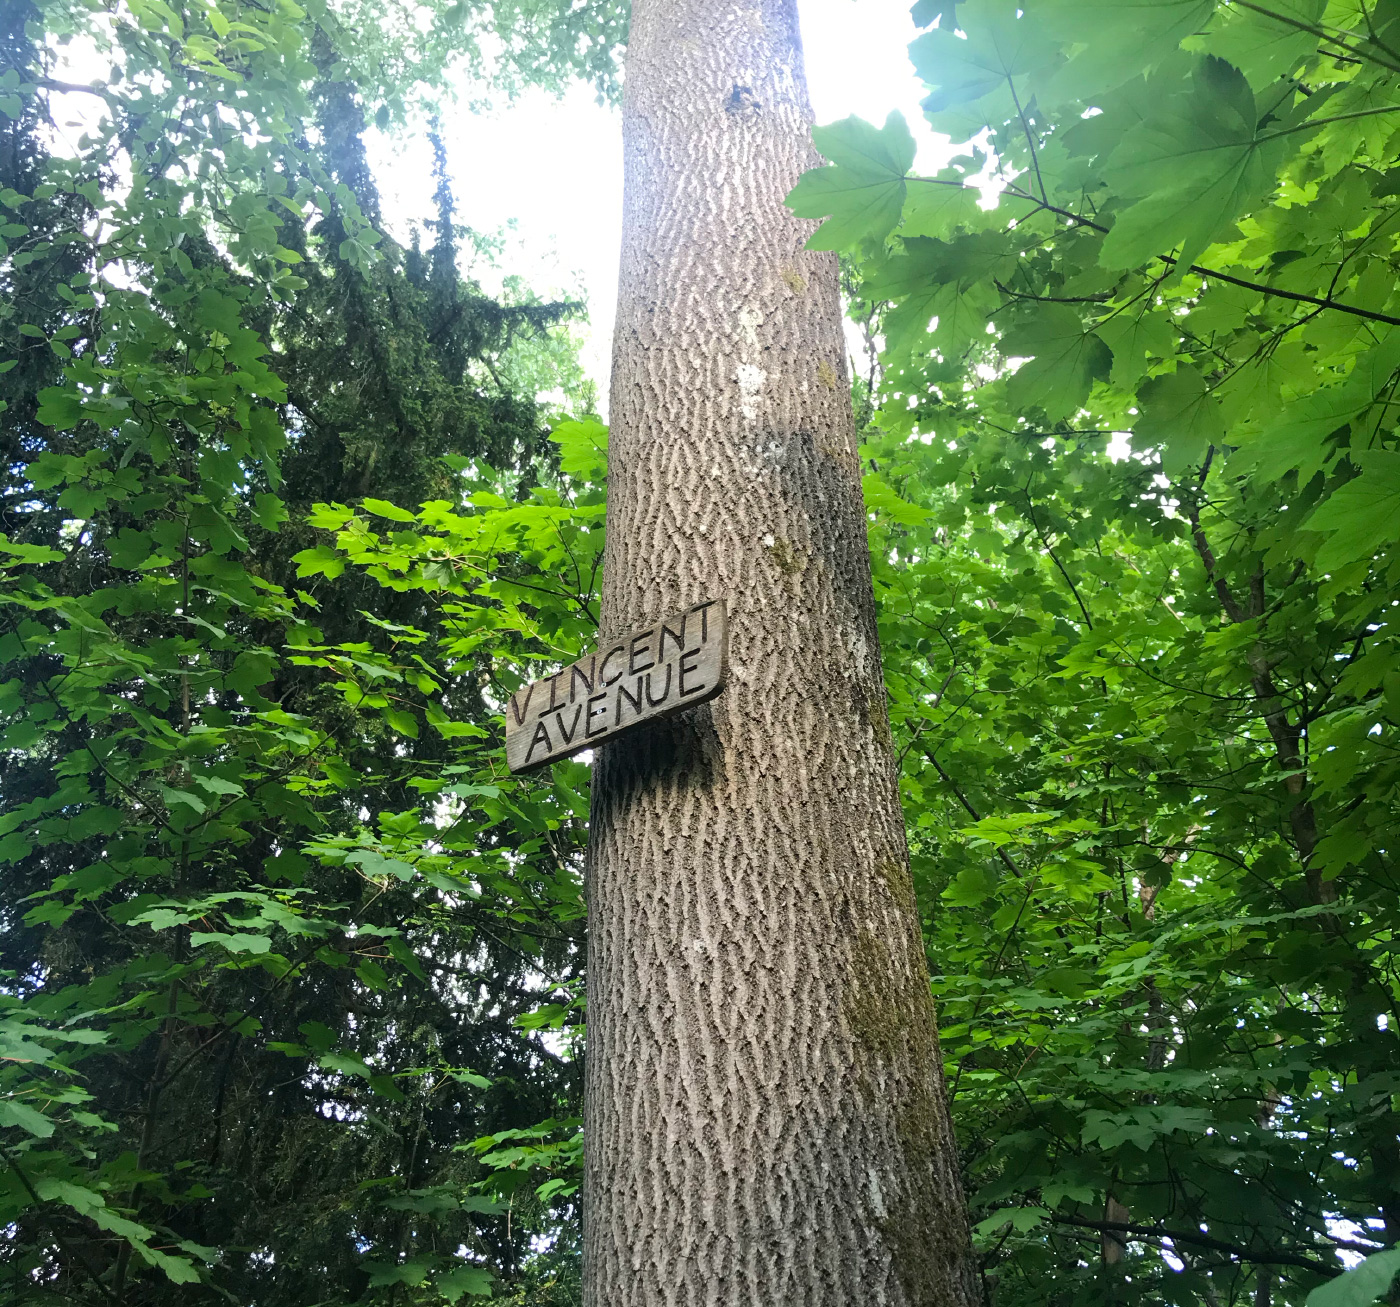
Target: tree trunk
<point>766,1119</point>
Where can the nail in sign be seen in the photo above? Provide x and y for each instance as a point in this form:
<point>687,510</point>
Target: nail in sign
<point>669,667</point>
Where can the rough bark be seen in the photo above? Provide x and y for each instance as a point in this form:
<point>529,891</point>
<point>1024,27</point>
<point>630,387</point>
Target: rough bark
<point>765,1117</point>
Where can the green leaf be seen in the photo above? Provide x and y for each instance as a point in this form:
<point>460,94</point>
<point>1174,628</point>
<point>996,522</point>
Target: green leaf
<point>161,918</point>
<point>269,511</point>
<point>552,1188</point>
<point>1300,435</point>
<point>129,548</point>
<point>1180,416</point>
<point>946,280</point>
<point>376,864</point>
<point>1020,1219</point>
<point>927,12</point>
<point>1000,45</point>
<point>330,517</point>
<point>1067,358</point>
<point>13,1112</point>
<point>172,797</point>
<point>382,508</point>
<point>1008,828</point>
<point>1360,1286</point>
<point>78,1197</point>
<point>940,206</point>
<point>26,553</point>
<point>217,785</point>
<point>130,1230</point>
<point>862,193</point>
<point>403,722</point>
<point>216,311</point>
<point>880,498</point>
<point>1363,516</point>
<point>178,1270</point>
<point>1143,1126</point>
<point>970,887</point>
<point>464,1281</point>
<point>319,561</point>
<point>346,1064</point>
<point>1192,169</point>
<point>236,943</point>
<point>413,1272</point>
<point>1136,336</point>
<point>583,449</point>
<point>60,408</point>
<point>1267,46</point>
<point>1115,40</point>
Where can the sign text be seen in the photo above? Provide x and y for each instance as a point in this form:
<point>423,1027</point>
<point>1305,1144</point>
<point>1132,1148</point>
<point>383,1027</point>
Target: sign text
<point>669,667</point>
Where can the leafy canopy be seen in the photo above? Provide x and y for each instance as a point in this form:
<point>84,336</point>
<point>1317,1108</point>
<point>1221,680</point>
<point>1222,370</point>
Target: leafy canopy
<point>1136,353</point>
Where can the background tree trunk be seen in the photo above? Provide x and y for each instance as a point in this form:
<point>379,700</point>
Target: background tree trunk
<point>766,1120</point>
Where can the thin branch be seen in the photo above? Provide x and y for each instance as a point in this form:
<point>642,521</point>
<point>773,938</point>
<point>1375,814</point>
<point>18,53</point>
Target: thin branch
<point>1102,298</point>
<point>962,799</point>
<point>1321,33</point>
<point>76,88</point>
<point>1233,609</point>
<point>1204,1241</point>
<point>1030,140</point>
<point>1060,567</point>
<point>1277,292</point>
<point>1323,122</point>
<point>79,1257</point>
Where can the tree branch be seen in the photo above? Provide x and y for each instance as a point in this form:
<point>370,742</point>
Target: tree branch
<point>1060,567</point>
<point>1276,291</point>
<point>1267,1258</point>
<point>1321,33</point>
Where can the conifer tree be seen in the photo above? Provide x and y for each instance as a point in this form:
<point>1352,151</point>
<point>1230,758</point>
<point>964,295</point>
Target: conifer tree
<point>203,1124</point>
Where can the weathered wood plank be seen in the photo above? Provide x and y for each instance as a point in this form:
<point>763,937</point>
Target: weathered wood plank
<point>674,665</point>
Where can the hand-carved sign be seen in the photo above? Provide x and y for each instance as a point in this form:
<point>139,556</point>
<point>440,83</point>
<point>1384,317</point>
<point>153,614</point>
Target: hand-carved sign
<point>669,667</point>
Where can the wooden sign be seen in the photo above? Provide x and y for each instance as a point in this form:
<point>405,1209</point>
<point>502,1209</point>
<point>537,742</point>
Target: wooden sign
<point>667,668</point>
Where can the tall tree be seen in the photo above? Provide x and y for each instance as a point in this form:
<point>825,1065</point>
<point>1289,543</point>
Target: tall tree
<point>764,1113</point>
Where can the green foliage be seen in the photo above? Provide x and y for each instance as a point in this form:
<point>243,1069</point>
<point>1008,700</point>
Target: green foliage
<point>1137,358</point>
<point>866,190</point>
<point>276,927</point>
<point>1360,1286</point>
<point>293,995</point>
